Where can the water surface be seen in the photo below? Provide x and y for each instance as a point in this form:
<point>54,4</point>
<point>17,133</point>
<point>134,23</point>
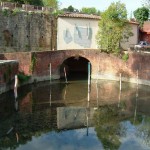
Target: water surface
<point>58,116</point>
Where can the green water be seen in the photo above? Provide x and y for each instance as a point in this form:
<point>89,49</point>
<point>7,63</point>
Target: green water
<point>58,116</point>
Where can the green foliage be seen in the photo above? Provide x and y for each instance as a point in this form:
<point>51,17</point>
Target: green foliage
<point>91,10</point>
<point>70,9</point>
<point>15,11</point>
<point>22,77</point>
<point>33,62</point>
<point>141,15</point>
<point>113,28</point>
<point>106,120</point>
<point>5,12</point>
<point>51,3</point>
<point>34,2</point>
<point>21,1</point>
<point>16,1</point>
<point>146,3</point>
<point>125,57</point>
<point>57,12</point>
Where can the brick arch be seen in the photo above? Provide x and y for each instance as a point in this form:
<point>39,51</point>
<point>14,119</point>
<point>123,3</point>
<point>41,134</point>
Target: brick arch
<point>56,58</point>
<point>73,65</point>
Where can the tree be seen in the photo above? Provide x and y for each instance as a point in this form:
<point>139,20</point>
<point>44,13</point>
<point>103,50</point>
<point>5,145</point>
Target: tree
<point>91,10</point>
<point>14,1</point>
<point>106,122</point>
<point>35,2</point>
<point>31,2</point>
<point>113,27</point>
<point>51,3</point>
<point>146,3</point>
<point>70,9</point>
<point>141,15</point>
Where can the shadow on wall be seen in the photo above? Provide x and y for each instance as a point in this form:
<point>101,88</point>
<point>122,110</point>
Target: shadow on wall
<point>8,37</point>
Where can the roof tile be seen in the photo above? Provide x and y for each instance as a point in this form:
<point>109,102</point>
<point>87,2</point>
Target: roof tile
<point>79,15</point>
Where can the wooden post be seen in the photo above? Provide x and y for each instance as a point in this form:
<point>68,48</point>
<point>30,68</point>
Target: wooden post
<point>88,96</point>
<point>97,94</point>
<point>137,77</point>
<point>16,81</point>
<point>65,75</point>
<point>65,91</point>
<point>136,100</point>
<point>120,91</point>
<point>87,121</point>
<point>89,74</point>
<point>119,98</point>
<point>15,92</point>
<point>50,97</point>
<point>89,78</point>
<point>15,87</point>
<point>50,72</point>
<point>120,82</point>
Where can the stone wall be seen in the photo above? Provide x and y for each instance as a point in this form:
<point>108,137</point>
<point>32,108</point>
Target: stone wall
<point>25,31</point>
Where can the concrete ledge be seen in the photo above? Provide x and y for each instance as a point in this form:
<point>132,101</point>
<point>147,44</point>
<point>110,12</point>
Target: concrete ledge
<point>116,78</point>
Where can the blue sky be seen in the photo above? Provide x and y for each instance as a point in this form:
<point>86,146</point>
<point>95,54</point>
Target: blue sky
<point>101,5</point>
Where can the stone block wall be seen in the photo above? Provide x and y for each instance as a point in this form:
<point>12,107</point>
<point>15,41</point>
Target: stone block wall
<point>25,31</point>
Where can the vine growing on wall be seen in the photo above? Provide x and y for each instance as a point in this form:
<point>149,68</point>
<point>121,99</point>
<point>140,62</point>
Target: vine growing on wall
<point>33,62</point>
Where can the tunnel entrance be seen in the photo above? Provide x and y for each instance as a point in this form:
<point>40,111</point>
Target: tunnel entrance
<point>76,68</point>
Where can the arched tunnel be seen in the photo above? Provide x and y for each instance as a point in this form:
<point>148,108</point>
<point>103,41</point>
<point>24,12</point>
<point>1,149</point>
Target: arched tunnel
<point>76,68</point>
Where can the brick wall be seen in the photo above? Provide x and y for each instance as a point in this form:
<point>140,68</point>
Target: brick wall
<point>8,70</point>
<point>24,59</point>
<point>103,65</point>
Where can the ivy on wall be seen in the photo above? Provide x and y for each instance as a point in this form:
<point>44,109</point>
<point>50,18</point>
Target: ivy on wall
<point>33,62</point>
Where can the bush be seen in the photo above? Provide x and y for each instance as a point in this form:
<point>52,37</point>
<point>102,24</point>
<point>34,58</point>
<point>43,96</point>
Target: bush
<point>125,57</point>
<point>22,77</point>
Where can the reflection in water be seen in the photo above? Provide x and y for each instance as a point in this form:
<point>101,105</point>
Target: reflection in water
<point>74,117</point>
<point>16,101</point>
<point>50,97</point>
<point>58,116</point>
<point>136,100</point>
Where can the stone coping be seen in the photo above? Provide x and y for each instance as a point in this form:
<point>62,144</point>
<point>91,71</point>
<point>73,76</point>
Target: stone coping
<point>7,61</point>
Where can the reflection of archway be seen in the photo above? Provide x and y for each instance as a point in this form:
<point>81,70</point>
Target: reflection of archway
<point>76,68</point>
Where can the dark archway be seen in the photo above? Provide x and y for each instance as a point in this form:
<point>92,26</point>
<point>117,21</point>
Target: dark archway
<point>76,68</point>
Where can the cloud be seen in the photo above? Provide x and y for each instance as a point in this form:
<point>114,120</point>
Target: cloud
<point>66,140</point>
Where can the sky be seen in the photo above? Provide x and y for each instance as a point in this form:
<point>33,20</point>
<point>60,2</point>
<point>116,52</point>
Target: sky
<point>131,5</point>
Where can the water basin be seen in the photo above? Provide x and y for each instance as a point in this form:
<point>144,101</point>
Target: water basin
<point>60,116</point>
